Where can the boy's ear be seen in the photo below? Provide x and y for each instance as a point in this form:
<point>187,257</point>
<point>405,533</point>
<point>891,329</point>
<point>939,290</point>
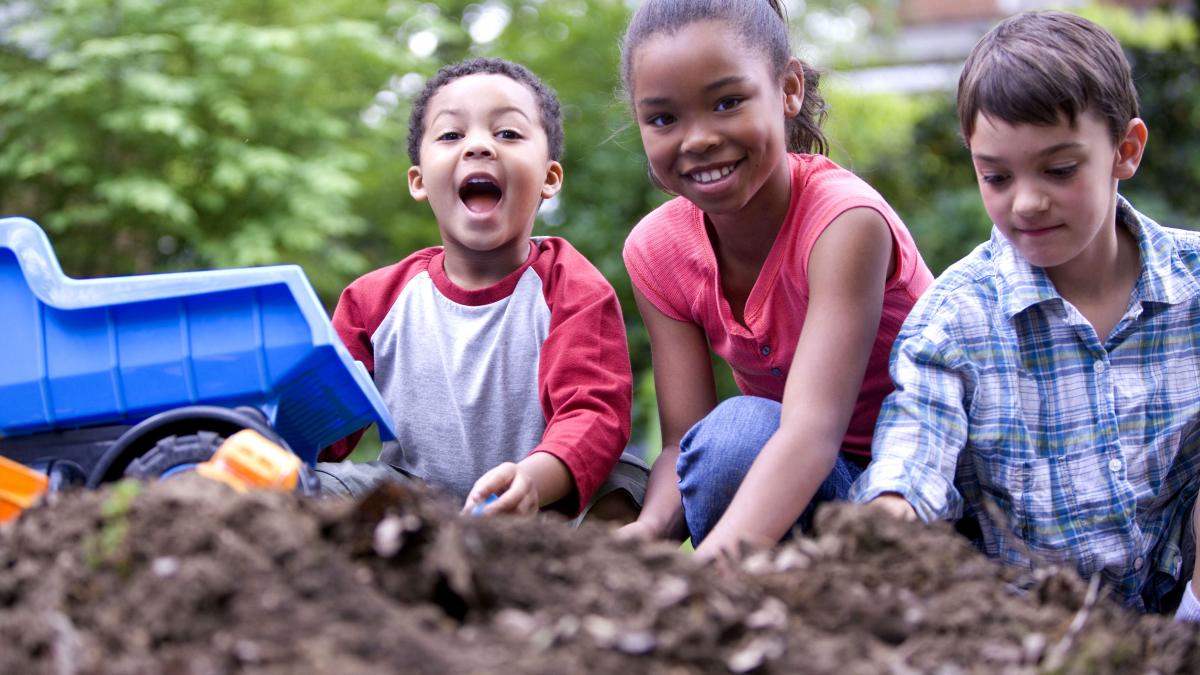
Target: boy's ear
<point>793,88</point>
<point>416,184</point>
<point>1129,149</point>
<point>554,180</point>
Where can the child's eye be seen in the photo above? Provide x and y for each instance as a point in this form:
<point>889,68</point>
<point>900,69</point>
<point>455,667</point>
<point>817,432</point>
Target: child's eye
<point>1062,171</point>
<point>993,179</point>
<point>508,134</point>
<point>728,103</point>
<point>449,136</point>
<point>660,120</point>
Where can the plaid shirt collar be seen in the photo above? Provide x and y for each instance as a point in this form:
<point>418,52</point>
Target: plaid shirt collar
<point>1163,277</point>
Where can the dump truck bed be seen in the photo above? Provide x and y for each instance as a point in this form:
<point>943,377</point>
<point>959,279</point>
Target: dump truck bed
<point>78,353</point>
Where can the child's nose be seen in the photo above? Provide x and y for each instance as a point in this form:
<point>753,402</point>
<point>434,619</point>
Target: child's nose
<point>700,138</point>
<point>1030,199</point>
<point>477,146</point>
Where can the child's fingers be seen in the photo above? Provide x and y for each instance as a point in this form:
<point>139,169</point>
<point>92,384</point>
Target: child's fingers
<point>636,531</point>
<point>520,498</point>
<point>494,482</point>
<point>508,501</point>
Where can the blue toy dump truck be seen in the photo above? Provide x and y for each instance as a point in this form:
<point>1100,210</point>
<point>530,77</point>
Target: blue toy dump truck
<point>146,376</point>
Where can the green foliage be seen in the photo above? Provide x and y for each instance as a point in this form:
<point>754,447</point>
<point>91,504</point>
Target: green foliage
<point>176,134</point>
<point>1169,88</point>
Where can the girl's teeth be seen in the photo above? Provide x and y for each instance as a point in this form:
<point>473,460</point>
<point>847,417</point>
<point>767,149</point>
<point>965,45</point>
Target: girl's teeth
<point>710,176</point>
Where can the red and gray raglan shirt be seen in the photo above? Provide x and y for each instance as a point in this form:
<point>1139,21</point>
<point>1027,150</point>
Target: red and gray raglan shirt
<point>535,363</point>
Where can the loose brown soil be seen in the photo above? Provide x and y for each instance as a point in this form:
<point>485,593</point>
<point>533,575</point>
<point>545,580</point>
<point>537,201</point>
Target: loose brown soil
<point>186,576</point>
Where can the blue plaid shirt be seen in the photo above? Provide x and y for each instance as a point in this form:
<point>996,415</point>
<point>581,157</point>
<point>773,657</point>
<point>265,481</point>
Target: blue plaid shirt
<point>1005,395</point>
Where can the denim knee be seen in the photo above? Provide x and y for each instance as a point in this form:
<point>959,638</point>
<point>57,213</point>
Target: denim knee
<point>715,455</point>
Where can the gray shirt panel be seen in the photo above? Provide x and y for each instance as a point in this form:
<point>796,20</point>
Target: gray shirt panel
<point>461,381</point>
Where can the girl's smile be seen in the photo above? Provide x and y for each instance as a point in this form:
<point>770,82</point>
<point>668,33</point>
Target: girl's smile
<point>712,175</point>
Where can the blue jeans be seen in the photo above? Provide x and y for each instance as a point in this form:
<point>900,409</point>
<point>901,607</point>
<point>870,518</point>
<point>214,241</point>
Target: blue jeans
<point>716,453</point>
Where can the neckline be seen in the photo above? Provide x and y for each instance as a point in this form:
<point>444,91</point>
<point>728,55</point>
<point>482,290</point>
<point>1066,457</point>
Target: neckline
<point>767,274</point>
<point>479,296</point>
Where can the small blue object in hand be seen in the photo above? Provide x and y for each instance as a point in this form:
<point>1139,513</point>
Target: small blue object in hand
<point>478,510</point>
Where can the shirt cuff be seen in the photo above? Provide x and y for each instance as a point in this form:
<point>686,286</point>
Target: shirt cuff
<point>926,492</point>
<point>1189,607</point>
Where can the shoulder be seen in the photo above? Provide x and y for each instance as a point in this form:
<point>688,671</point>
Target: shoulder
<point>1173,254</point>
<point>383,286</point>
<point>668,228</point>
<point>1186,244</point>
<point>824,182</point>
<point>825,192</point>
<point>964,300</point>
<point>669,258</point>
<point>413,264</point>
<point>562,268</point>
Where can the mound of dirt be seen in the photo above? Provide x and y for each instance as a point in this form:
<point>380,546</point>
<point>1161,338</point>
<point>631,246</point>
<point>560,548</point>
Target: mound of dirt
<point>187,576</point>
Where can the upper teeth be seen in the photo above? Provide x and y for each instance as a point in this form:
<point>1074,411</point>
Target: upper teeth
<point>714,174</point>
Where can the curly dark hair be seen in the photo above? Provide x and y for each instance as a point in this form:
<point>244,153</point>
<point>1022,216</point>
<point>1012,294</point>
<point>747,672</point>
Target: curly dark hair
<point>762,24</point>
<point>550,109</point>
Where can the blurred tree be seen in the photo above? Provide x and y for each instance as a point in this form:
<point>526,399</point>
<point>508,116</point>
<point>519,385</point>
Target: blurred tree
<point>163,134</point>
<point>1164,52</point>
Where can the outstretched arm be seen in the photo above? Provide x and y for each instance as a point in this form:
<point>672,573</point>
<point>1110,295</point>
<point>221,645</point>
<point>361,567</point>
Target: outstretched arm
<point>683,382</point>
<point>847,271</point>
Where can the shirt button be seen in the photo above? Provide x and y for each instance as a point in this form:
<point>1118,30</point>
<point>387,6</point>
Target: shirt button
<point>766,350</point>
<point>776,372</point>
<point>1114,465</point>
<point>1138,562</point>
<point>1099,366</point>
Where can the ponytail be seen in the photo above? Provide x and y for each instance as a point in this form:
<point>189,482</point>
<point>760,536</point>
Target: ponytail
<point>804,130</point>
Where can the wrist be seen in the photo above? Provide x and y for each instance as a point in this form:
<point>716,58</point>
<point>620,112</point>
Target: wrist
<point>547,476</point>
<point>668,527</point>
<point>656,526</point>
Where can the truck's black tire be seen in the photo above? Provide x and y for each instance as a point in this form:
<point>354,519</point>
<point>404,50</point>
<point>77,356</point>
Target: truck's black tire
<point>174,451</point>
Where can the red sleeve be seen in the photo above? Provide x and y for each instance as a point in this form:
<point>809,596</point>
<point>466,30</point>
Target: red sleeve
<point>584,378</point>
<point>359,312</point>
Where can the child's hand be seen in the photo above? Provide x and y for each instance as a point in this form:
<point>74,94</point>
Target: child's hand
<point>726,553</point>
<point>895,506</point>
<point>516,492</point>
<point>1195,532</point>
<point>637,531</point>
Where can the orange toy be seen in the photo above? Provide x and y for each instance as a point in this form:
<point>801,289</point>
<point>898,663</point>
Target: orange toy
<point>20,487</point>
<point>248,460</point>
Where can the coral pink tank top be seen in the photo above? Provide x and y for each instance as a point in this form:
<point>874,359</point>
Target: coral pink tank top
<point>671,261</point>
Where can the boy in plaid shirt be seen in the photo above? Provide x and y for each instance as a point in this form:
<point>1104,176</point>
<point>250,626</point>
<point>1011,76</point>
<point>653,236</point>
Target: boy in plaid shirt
<point>1054,373</point>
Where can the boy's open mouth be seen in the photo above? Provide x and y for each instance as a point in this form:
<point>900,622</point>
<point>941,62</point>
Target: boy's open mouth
<point>479,194</point>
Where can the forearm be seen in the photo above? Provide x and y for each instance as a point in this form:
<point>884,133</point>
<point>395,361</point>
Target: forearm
<point>549,475</point>
<point>779,486</point>
<point>662,508</point>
